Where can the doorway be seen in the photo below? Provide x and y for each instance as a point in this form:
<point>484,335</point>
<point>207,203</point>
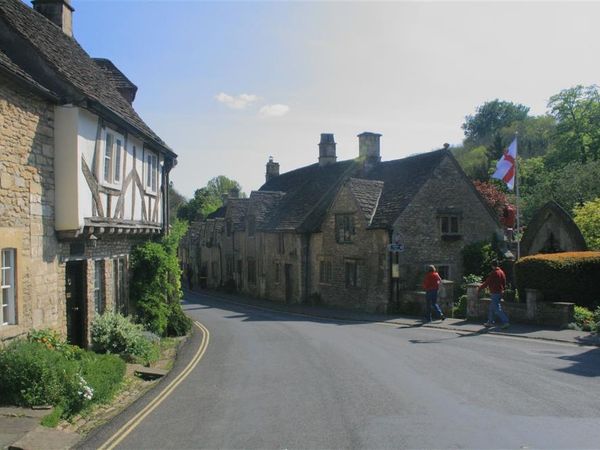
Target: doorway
<point>74,292</point>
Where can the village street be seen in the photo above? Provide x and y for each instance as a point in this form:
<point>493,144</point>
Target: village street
<point>277,380</point>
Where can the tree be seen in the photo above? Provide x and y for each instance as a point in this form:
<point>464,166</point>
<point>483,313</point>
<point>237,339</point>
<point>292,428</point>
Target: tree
<point>175,202</point>
<point>492,195</point>
<point>535,135</point>
<point>577,112</point>
<point>474,161</point>
<point>208,199</point>
<point>484,126</point>
<point>587,218</point>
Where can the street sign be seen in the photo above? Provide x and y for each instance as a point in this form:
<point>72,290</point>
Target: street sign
<point>396,247</point>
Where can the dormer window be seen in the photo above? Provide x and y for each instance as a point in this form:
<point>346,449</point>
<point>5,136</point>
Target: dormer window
<point>151,168</point>
<point>113,150</point>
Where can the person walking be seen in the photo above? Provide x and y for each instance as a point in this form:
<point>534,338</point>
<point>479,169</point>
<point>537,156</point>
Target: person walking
<point>431,284</point>
<point>496,282</point>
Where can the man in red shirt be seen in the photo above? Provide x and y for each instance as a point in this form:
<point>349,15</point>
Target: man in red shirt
<point>496,282</point>
<point>431,284</point>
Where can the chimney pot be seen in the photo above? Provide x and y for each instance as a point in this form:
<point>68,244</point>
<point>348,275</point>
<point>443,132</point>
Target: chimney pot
<point>59,12</point>
<point>327,149</point>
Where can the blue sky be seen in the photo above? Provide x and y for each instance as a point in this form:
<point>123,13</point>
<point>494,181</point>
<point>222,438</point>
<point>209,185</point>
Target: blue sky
<point>228,84</point>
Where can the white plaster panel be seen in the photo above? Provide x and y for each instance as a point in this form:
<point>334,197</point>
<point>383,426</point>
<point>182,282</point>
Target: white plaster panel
<point>67,168</point>
<point>87,130</point>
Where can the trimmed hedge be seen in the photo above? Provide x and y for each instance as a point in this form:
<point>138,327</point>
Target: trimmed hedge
<point>569,277</point>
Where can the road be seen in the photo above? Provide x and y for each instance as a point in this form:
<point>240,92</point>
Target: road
<point>275,380</point>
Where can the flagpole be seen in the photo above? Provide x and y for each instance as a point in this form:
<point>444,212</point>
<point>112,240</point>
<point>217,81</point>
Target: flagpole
<point>517,196</point>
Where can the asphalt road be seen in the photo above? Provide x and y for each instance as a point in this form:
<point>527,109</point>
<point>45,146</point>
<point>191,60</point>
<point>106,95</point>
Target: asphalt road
<point>272,380</point>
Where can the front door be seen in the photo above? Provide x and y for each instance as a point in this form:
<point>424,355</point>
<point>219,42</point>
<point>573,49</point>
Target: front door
<point>74,294</point>
<point>288,283</point>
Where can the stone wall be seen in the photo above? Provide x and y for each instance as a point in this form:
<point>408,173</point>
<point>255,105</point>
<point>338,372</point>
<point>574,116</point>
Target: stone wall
<point>419,226</point>
<point>27,208</point>
<point>368,248</point>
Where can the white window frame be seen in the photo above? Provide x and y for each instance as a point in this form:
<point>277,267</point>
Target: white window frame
<point>8,292</point>
<point>112,164</point>
<point>98,286</point>
<point>151,165</point>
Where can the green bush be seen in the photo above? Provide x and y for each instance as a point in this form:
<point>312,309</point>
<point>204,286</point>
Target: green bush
<point>155,288</point>
<point>53,340</point>
<point>178,324</point>
<point>104,373</point>
<point>477,258</point>
<point>459,309</point>
<point>568,276</point>
<point>114,333</point>
<point>33,375</point>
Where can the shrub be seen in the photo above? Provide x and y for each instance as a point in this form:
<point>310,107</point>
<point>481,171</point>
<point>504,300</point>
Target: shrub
<point>156,283</point>
<point>33,375</point>
<point>53,340</point>
<point>114,333</point>
<point>570,276</point>
<point>460,307</point>
<point>477,258</point>
<point>178,323</point>
<point>103,373</point>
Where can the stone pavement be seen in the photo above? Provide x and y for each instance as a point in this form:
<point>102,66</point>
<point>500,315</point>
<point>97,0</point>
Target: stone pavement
<point>20,429</point>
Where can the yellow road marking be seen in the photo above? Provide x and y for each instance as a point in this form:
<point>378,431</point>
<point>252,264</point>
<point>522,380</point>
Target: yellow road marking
<point>122,433</point>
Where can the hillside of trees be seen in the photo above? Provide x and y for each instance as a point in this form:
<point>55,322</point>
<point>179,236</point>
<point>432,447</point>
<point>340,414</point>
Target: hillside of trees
<point>558,153</point>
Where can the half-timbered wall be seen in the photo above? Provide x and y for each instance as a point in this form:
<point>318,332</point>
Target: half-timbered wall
<point>105,176</point>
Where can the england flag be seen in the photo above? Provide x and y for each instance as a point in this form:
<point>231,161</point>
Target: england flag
<point>506,167</point>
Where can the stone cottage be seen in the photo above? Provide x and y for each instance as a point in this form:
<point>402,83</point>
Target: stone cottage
<point>82,177</point>
<point>355,234</point>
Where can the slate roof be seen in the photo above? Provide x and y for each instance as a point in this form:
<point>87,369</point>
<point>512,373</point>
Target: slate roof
<point>236,212</point>
<point>10,67</point>
<point>367,194</point>
<point>382,193</point>
<point>261,206</point>
<point>116,77</point>
<point>48,46</point>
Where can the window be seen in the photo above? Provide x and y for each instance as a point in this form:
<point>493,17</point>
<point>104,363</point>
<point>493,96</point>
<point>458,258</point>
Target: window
<point>344,228</point>
<point>229,267</point>
<point>450,226</point>
<point>151,171</point>
<point>325,272</point>
<point>251,271</point>
<point>119,288</point>
<point>277,273</point>
<point>98,287</point>
<point>112,157</point>
<point>281,243</point>
<point>353,273</point>
<point>7,313</point>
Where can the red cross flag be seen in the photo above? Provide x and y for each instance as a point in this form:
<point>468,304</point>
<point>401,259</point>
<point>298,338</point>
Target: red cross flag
<point>506,167</point>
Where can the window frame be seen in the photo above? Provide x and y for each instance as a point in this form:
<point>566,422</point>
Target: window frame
<point>345,228</point>
<point>151,165</point>
<point>8,286</point>
<point>251,270</point>
<point>353,278</point>
<point>450,226</point>
<point>325,271</point>
<point>99,286</point>
<point>112,165</point>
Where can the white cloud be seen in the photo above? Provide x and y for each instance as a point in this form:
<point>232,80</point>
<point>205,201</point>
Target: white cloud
<point>276,110</point>
<point>236,102</point>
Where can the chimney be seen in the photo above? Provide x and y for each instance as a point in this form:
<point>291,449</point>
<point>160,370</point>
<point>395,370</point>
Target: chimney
<point>368,149</point>
<point>59,12</point>
<point>234,192</point>
<point>272,169</point>
<point>327,149</point>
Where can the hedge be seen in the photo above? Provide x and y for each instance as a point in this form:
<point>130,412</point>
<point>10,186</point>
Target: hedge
<point>569,276</point>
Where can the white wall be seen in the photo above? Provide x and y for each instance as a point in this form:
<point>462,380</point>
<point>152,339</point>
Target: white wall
<point>86,143</point>
<point>66,168</point>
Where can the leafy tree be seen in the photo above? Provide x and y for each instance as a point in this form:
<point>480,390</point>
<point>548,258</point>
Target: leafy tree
<point>535,135</point>
<point>474,161</point>
<point>176,200</point>
<point>208,199</point>
<point>587,218</point>
<point>483,128</point>
<point>577,112</point>
<point>493,195</point>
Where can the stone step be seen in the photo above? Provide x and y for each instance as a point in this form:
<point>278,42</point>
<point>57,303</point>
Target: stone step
<point>148,373</point>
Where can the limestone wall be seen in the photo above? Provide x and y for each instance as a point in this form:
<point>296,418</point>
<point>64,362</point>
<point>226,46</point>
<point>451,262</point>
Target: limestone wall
<point>27,208</point>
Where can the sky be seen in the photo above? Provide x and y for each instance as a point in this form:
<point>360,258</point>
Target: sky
<point>228,84</point>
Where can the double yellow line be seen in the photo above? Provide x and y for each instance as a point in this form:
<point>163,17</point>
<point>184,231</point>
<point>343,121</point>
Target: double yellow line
<point>122,433</point>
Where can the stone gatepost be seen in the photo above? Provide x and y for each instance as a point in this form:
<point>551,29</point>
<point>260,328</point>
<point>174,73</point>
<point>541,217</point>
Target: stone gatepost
<point>533,297</point>
<point>472,299</point>
<point>446,296</point>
